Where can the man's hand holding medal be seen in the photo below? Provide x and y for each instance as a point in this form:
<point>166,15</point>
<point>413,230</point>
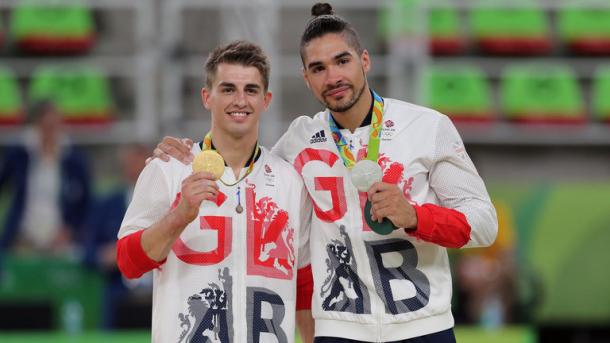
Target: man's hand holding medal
<point>386,208</point>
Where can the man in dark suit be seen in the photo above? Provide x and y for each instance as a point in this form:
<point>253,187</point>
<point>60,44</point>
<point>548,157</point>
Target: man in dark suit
<point>100,243</point>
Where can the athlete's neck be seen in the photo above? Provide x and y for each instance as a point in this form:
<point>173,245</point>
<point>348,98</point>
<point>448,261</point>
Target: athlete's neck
<point>235,151</point>
<point>353,117</point>
<point>49,144</point>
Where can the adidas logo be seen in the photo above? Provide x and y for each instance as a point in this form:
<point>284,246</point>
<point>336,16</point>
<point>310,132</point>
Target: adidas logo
<point>319,137</point>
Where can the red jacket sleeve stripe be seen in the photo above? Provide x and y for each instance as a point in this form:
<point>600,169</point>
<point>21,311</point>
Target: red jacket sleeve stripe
<point>131,258</point>
<point>443,226</point>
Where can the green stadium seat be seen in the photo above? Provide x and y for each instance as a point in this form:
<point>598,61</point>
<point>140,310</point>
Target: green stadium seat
<point>11,107</point>
<point>601,94</point>
<point>542,93</point>
<point>444,31</point>
<point>461,92</point>
<point>52,29</point>
<point>397,20</point>
<point>585,30</point>
<point>520,31</point>
<point>82,94</point>
<point>34,279</point>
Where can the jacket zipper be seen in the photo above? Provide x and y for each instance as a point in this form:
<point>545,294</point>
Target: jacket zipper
<point>356,218</point>
<point>244,257</point>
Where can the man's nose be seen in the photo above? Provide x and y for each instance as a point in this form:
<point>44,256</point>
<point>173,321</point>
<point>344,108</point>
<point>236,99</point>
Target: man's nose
<point>333,76</point>
<point>240,99</point>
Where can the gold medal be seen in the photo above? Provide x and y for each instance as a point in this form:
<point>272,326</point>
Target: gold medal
<point>209,161</point>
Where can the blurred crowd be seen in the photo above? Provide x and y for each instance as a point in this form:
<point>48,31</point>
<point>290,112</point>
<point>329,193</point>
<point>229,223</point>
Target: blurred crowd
<point>52,212</point>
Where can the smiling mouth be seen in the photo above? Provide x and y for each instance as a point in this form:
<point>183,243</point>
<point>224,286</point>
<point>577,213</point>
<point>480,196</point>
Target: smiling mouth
<point>238,114</point>
<point>336,91</point>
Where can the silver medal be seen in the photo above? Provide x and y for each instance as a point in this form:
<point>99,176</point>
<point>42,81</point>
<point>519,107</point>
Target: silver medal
<point>364,174</point>
<point>239,209</point>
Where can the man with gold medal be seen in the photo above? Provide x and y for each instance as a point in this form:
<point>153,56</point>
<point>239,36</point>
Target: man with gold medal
<point>226,235</point>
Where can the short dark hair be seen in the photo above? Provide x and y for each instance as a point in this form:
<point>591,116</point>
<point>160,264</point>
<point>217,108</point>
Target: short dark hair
<point>237,52</point>
<point>325,21</point>
<point>39,108</point>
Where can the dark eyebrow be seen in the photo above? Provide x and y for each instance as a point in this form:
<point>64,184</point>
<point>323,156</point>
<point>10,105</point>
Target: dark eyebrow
<point>226,84</point>
<point>253,86</point>
<point>314,64</point>
<point>343,54</point>
<point>336,57</point>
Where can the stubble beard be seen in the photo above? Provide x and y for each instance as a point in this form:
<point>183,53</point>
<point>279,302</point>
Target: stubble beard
<point>349,104</point>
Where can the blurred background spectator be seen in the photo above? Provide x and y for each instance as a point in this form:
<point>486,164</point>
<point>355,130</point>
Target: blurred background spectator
<point>51,188</point>
<point>485,281</point>
<point>126,303</point>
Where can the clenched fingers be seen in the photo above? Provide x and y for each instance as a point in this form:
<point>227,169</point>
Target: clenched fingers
<point>379,187</point>
<point>381,210</point>
<point>200,185</point>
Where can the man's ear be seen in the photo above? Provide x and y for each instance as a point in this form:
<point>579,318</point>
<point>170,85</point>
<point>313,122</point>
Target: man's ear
<point>205,95</point>
<point>268,97</point>
<point>365,59</point>
<point>305,78</point>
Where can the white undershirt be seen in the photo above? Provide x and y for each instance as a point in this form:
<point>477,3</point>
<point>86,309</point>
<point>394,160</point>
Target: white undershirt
<point>42,218</point>
<point>42,214</point>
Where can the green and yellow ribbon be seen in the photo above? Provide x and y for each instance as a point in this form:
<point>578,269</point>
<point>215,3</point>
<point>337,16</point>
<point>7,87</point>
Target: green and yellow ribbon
<point>374,135</point>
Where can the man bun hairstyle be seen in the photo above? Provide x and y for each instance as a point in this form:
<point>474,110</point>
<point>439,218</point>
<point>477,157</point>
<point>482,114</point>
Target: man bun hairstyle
<point>241,53</point>
<point>325,21</point>
<point>322,8</point>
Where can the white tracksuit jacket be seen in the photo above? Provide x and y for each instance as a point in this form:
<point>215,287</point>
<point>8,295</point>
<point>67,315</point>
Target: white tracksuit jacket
<point>376,288</point>
<point>230,277</point>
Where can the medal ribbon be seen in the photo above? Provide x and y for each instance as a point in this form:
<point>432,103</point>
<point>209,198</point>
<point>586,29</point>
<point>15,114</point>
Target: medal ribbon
<point>207,145</point>
<point>374,134</point>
